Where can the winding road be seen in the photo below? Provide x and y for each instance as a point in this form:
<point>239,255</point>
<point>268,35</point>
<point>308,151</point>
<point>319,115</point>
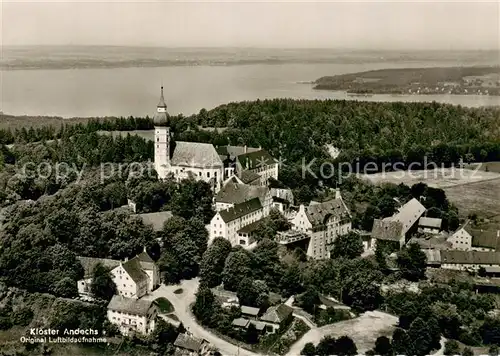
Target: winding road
<point>181,303</point>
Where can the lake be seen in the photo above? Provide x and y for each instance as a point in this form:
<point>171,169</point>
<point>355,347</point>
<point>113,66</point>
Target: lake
<point>135,91</point>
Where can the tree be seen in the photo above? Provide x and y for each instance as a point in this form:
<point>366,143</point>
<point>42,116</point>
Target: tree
<point>169,268</point>
<point>451,347</point>
<point>423,335</point>
<point>345,346</point>
<point>494,350</point>
<point>467,351</point>
<point>238,266</point>
<point>412,262</point>
<point>383,346</point>
<point>327,346</point>
<point>213,260</point>
<point>401,342</point>
<point>309,300</point>
<point>247,293</point>
<point>163,334</point>
<point>347,246</point>
<point>102,285</point>
<point>308,350</point>
<point>65,287</point>
<point>251,335</point>
<point>205,308</point>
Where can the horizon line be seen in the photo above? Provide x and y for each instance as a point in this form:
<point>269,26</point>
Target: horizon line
<point>359,49</point>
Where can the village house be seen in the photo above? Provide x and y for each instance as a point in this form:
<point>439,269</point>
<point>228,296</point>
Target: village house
<point>278,317</point>
<point>133,278</point>
<point>227,223</point>
<point>397,229</point>
<point>469,260</point>
<point>250,312</point>
<point>429,225</point>
<point>469,239</point>
<point>322,222</point>
<point>132,315</point>
<point>226,298</point>
<point>188,345</point>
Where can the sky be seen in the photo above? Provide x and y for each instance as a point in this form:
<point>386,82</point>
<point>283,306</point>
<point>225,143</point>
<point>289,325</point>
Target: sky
<point>289,24</point>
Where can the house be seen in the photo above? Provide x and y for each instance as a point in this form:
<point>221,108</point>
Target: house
<point>328,302</point>
<point>188,345</point>
<point>156,220</point>
<point>278,317</point>
<point>432,242</point>
<point>469,260</point>
<point>133,278</point>
<point>398,228</point>
<point>241,323</point>
<point>130,279</point>
<point>88,264</point>
<point>468,238</point>
<point>132,315</point>
<point>429,225</point>
<point>227,298</point>
<point>227,223</point>
<point>233,193</point>
<point>323,222</point>
<point>249,312</point>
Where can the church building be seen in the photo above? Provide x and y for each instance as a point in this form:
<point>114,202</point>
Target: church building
<point>195,160</point>
<point>203,161</point>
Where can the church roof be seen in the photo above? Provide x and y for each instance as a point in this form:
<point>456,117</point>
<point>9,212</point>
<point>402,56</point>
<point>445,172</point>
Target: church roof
<point>161,103</point>
<point>161,117</point>
<point>195,154</point>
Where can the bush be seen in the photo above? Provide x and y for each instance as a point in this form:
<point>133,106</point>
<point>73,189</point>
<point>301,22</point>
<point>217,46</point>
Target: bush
<point>5,323</point>
<point>22,316</point>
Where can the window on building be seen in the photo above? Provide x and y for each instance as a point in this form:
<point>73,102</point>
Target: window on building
<point>208,174</point>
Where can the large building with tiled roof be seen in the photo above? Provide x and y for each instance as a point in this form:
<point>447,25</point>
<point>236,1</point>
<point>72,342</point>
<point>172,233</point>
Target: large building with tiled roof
<point>228,223</point>
<point>133,278</point>
<point>398,227</point>
<point>323,222</point>
<point>203,161</point>
<point>236,193</point>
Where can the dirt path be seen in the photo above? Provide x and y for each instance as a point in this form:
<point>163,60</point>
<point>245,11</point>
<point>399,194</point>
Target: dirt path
<point>364,330</point>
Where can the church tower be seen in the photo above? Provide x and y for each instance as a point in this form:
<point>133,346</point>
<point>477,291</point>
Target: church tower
<point>162,138</point>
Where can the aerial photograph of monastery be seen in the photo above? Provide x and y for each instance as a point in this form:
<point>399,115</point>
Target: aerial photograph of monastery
<point>233,178</point>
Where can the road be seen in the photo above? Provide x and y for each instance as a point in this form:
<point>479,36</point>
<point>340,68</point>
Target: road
<point>181,304</point>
